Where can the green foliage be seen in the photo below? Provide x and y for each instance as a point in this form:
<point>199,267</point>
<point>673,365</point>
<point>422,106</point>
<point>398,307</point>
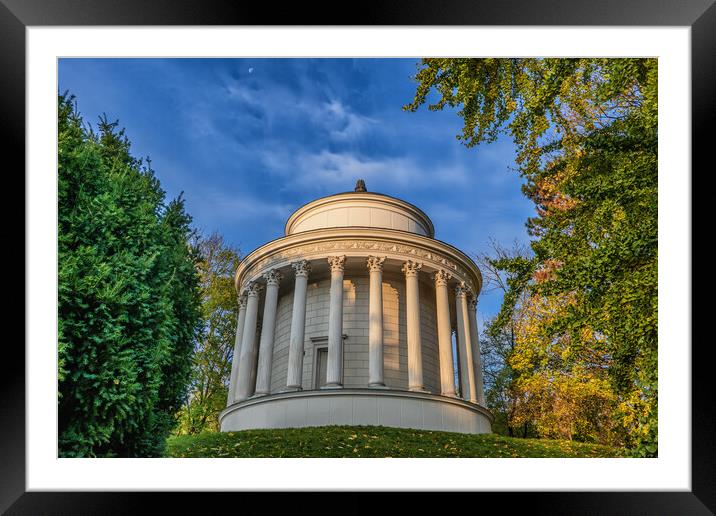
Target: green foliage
<point>496,346</point>
<point>213,350</point>
<point>128,300</point>
<point>373,441</point>
<point>586,137</point>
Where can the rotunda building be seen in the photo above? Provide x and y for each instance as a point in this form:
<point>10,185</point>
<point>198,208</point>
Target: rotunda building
<point>357,316</point>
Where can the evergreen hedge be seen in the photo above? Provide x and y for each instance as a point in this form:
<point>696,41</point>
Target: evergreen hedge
<point>128,298</point>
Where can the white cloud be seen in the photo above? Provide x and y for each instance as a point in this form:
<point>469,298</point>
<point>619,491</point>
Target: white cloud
<point>340,170</point>
<point>276,102</point>
<point>345,125</point>
<point>344,168</point>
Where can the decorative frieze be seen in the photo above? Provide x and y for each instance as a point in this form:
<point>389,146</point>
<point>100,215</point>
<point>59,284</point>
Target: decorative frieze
<point>372,247</point>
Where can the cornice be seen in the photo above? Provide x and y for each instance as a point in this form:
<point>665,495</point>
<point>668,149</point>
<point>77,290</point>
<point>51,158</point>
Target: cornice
<point>320,243</point>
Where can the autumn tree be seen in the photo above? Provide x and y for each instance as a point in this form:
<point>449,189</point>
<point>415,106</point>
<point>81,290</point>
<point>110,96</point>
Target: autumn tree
<point>561,380</point>
<point>213,349</point>
<point>586,135</point>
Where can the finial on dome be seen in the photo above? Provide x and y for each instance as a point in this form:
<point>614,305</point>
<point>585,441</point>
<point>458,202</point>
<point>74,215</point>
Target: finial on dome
<point>360,186</point>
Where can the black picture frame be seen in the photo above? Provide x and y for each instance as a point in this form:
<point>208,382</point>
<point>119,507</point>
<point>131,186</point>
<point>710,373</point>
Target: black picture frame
<point>699,15</point>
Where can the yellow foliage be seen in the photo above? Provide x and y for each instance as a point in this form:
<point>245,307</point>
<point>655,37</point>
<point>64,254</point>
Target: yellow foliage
<point>556,391</point>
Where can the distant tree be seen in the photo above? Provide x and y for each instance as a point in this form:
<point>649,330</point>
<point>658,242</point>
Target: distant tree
<point>497,342</point>
<point>499,378</point>
<point>128,298</point>
<point>586,137</point>
<point>213,349</point>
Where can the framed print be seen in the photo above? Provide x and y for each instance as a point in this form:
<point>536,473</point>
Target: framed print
<point>107,47</point>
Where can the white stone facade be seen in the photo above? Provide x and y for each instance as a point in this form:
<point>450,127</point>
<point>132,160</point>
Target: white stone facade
<point>357,312</point>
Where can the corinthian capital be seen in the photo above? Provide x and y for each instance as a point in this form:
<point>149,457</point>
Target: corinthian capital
<point>302,267</point>
<point>273,277</point>
<point>441,278</point>
<point>375,263</point>
<point>472,302</point>
<point>336,263</point>
<point>463,290</point>
<point>242,301</point>
<point>411,268</point>
<point>253,289</point>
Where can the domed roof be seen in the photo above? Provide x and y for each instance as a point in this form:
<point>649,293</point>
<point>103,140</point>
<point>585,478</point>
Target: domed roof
<point>360,208</point>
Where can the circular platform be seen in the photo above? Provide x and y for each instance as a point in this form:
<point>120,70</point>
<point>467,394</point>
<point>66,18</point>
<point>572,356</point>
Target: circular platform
<point>383,407</point>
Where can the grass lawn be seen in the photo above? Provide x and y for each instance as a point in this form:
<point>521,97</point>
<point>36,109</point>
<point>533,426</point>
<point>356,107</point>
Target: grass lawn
<point>373,441</point>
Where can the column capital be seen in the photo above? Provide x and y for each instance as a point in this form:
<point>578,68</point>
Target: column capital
<point>375,263</point>
<point>441,278</point>
<point>273,277</point>
<point>243,298</point>
<point>253,289</point>
<point>463,290</point>
<point>411,268</point>
<point>472,302</point>
<point>301,267</point>
<point>337,263</point>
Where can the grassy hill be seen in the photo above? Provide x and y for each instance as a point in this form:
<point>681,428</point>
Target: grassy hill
<point>373,441</point>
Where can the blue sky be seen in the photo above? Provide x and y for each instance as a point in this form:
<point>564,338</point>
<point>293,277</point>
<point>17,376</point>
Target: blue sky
<point>250,140</point>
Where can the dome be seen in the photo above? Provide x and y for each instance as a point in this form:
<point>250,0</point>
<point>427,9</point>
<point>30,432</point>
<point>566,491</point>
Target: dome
<point>360,209</point>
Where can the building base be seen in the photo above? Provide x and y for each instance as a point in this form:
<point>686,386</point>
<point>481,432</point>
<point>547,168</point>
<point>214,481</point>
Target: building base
<point>357,407</point>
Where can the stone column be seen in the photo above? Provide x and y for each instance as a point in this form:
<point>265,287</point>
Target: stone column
<point>447,370</point>
<point>255,358</point>
<point>476,357</point>
<point>263,374</point>
<point>375,322</point>
<point>467,378</point>
<point>412,309</point>
<point>334,372</point>
<point>294,377</point>
<point>237,349</point>
<point>248,342</point>
<point>456,355</point>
